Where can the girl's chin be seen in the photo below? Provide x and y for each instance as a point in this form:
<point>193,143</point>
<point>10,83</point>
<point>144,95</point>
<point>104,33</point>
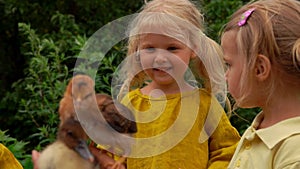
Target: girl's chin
<point>163,80</point>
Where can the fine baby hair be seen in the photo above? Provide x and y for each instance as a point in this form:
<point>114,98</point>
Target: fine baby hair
<point>270,28</point>
<point>181,20</point>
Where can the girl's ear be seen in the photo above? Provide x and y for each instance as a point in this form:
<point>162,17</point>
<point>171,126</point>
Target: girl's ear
<point>193,56</point>
<point>262,67</point>
<point>194,49</point>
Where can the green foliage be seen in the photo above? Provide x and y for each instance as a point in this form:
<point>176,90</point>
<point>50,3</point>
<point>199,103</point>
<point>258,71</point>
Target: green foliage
<point>39,92</point>
<point>242,118</point>
<point>52,58</point>
<point>217,13</point>
<point>106,69</point>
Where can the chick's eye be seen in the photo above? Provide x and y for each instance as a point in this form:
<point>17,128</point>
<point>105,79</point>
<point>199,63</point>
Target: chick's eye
<point>70,133</point>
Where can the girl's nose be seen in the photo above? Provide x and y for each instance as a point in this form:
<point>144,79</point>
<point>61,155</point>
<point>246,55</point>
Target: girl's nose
<point>161,56</point>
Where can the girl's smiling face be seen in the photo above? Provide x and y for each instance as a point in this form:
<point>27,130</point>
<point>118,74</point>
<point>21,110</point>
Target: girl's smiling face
<point>164,58</point>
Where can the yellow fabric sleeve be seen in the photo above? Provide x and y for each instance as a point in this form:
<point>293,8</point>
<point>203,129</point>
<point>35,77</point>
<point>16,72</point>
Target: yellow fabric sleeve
<point>7,159</point>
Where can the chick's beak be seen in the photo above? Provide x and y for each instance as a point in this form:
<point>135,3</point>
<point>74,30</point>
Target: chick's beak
<point>84,152</point>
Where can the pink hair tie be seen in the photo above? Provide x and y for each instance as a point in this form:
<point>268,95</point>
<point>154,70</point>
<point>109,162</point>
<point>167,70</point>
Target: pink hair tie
<point>245,16</point>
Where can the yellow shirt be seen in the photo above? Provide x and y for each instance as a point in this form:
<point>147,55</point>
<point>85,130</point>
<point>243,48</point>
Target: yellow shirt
<point>169,129</point>
<point>7,159</point>
<point>274,147</point>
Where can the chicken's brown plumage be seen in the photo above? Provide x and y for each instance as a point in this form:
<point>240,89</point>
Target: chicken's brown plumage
<point>83,86</point>
<point>80,92</point>
<point>99,114</point>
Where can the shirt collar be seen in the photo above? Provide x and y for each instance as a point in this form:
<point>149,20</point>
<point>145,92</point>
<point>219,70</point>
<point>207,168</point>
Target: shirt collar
<point>274,134</point>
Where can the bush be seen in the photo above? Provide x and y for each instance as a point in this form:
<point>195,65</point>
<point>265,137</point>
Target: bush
<point>36,95</point>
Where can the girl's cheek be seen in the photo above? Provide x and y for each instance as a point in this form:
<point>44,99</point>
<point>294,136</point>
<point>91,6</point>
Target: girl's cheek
<point>146,63</point>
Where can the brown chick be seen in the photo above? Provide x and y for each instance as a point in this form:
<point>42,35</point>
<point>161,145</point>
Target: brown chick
<point>80,90</point>
<point>69,150</point>
<point>102,118</point>
<point>66,105</point>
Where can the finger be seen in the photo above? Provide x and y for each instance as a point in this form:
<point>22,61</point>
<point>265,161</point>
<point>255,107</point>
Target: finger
<point>35,156</point>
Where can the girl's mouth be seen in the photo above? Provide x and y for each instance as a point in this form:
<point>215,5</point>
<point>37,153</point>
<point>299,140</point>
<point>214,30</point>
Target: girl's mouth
<point>164,69</point>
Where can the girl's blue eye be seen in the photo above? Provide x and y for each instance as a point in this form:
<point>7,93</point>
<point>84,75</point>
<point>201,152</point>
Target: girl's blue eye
<point>149,49</point>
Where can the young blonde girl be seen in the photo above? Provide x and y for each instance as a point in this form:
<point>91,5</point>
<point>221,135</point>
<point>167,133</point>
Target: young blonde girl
<point>261,46</point>
<point>171,78</point>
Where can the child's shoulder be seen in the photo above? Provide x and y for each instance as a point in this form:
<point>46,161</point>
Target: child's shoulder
<point>292,141</point>
<point>288,153</point>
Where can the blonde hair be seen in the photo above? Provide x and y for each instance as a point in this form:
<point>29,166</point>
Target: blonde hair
<point>273,31</point>
<point>181,20</point>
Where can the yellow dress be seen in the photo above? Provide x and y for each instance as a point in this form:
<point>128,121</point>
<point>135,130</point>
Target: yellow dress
<point>7,159</point>
<point>169,130</point>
